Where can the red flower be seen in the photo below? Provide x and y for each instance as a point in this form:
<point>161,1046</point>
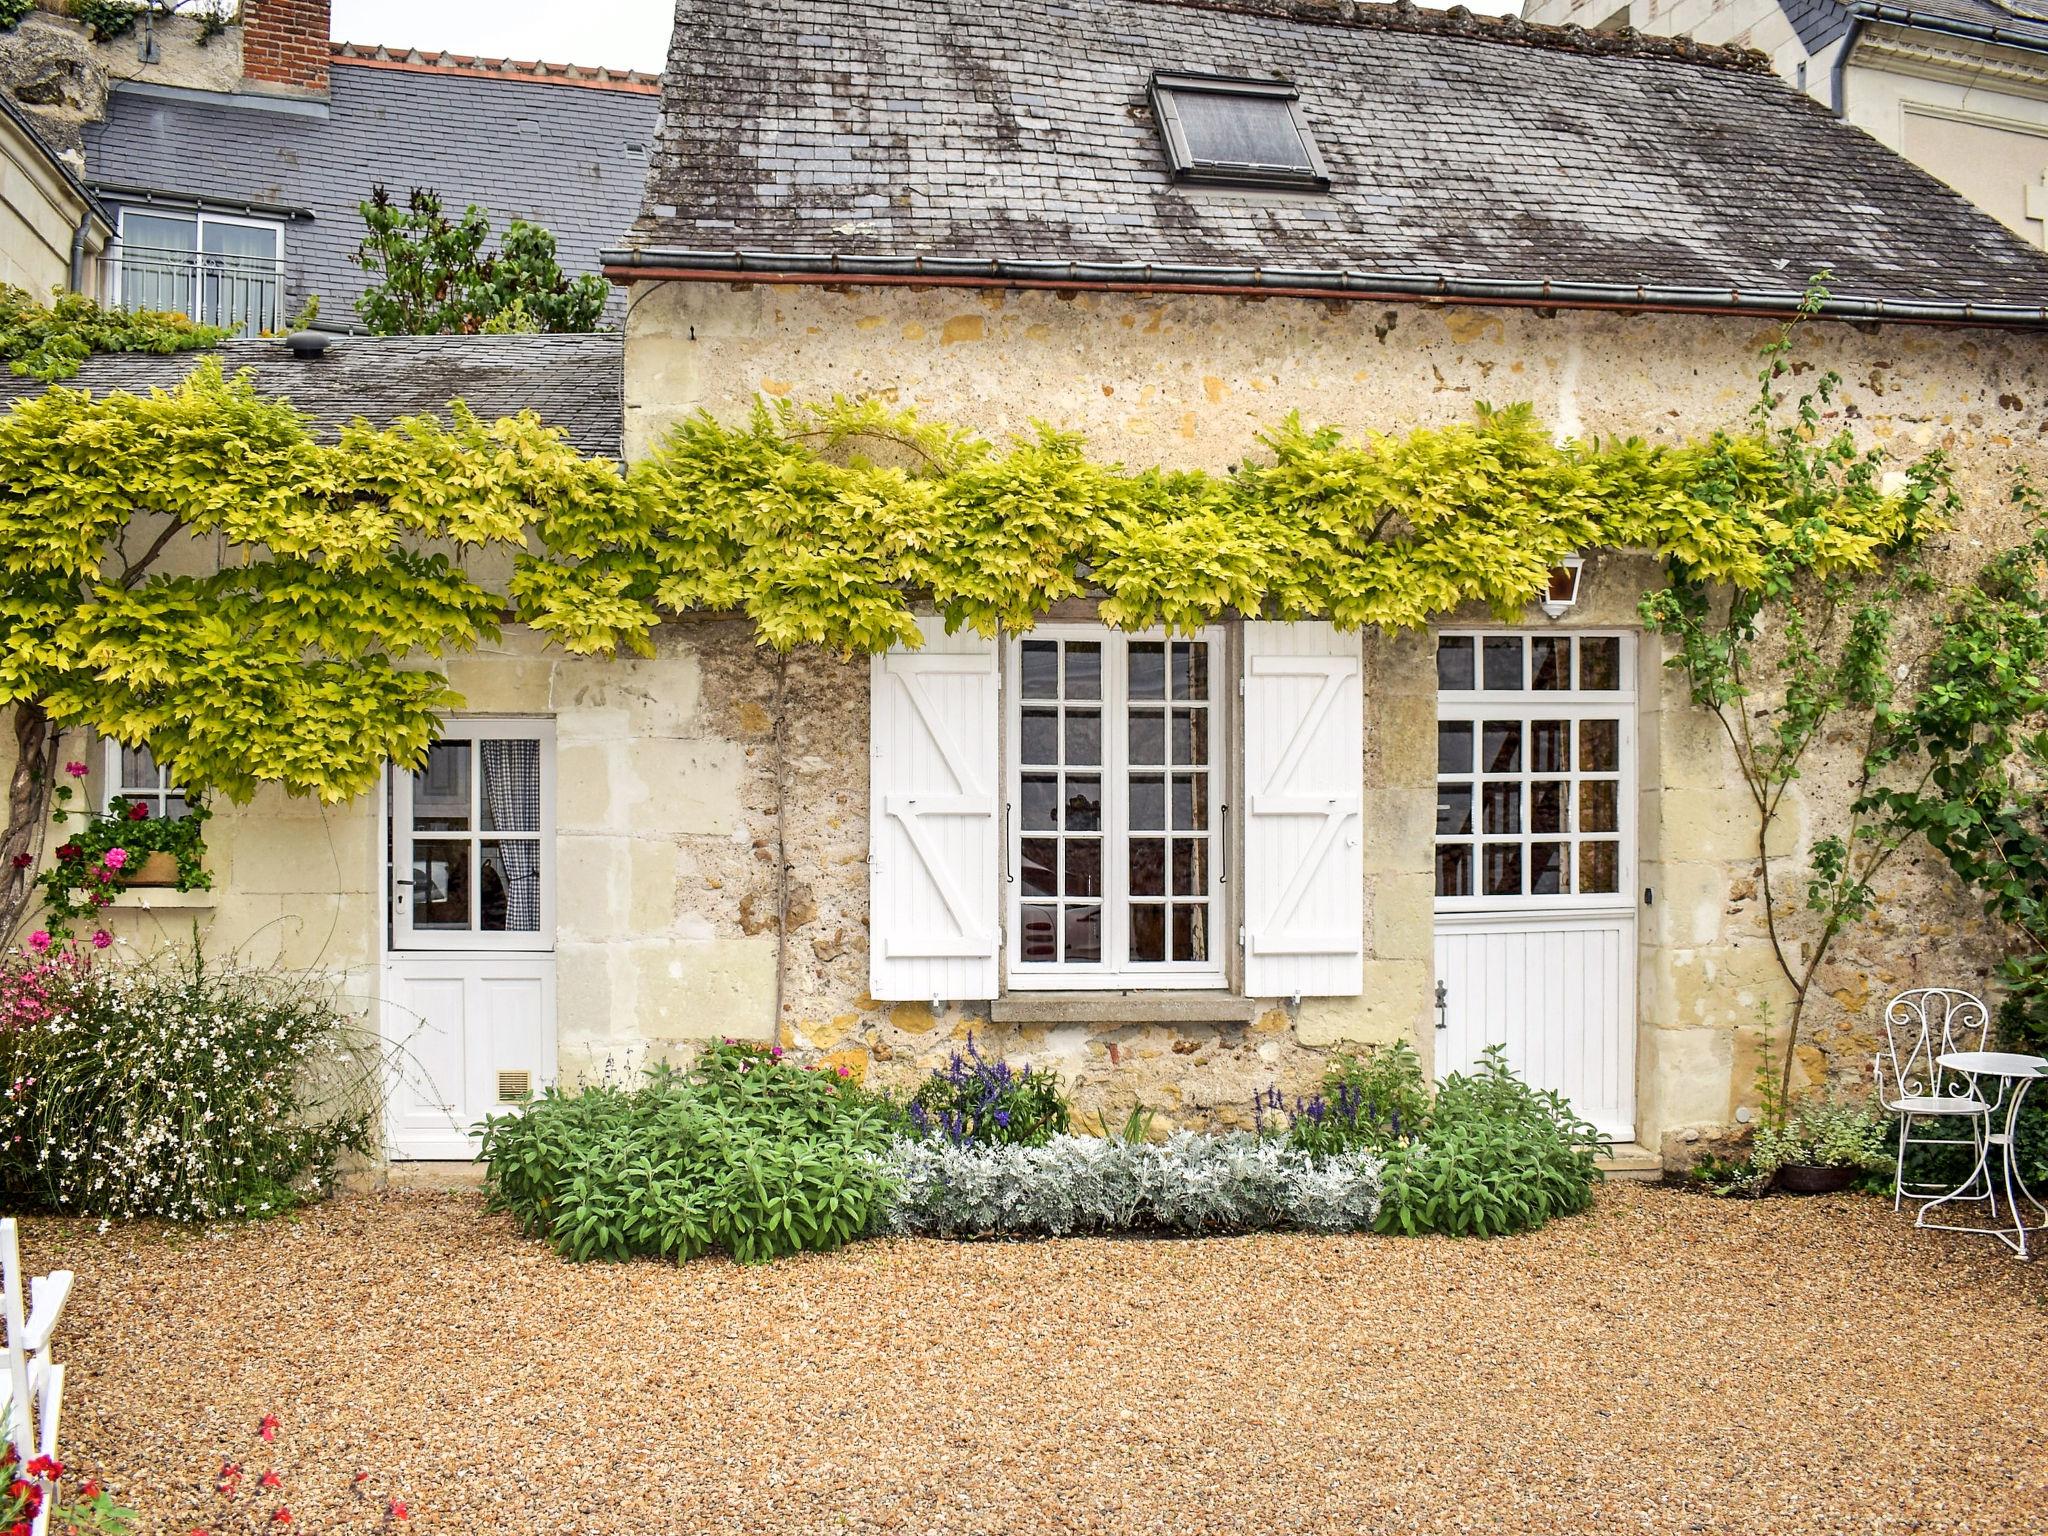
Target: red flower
<point>89,1489</point>
<point>230,1475</point>
<point>68,851</point>
<point>77,770</point>
<point>268,1428</point>
<point>46,1466</point>
<point>270,1480</point>
<point>20,1528</point>
<point>399,1511</point>
<point>282,1517</point>
<point>23,860</point>
<point>138,812</point>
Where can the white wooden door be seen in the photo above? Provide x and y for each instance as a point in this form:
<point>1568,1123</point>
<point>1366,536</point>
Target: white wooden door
<point>1535,862</point>
<point>469,973</point>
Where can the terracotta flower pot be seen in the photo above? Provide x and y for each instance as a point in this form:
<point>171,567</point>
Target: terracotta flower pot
<point>1805,1179</point>
<point>152,869</point>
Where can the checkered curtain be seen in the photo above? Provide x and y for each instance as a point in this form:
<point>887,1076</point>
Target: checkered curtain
<point>512,787</point>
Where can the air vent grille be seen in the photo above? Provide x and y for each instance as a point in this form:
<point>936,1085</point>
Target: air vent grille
<point>514,1086</point>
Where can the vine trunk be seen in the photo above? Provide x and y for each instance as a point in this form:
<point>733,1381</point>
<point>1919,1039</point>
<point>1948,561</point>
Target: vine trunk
<point>28,811</point>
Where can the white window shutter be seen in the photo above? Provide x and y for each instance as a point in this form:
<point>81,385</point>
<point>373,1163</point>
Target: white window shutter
<point>933,777</point>
<point>1304,768</point>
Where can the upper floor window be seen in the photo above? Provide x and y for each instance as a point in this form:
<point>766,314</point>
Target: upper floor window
<point>1115,745</point>
<point>1242,132</point>
<point>133,775</point>
<point>218,269</point>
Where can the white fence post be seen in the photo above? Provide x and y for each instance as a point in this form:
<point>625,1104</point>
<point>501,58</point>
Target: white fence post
<point>33,1385</point>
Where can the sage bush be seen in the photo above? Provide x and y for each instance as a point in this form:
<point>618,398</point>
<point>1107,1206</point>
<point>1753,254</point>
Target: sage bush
<point>744,1153</point>
<point>176,1086</point>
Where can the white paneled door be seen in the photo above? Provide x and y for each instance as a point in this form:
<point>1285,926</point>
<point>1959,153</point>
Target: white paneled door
<point>1535,863</point>
<point>469,974</point>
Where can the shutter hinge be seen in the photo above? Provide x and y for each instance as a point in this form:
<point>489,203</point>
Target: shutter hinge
<point>1240,685</point>
<point>1240,937</point>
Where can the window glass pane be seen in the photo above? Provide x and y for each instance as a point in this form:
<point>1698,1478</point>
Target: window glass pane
<point>1454,869</point>
<point>1546,868</point>
<point>1148,867</point>
<point>1454,664</point>
<point>1550,746</point>
<point>175,808</point>
<point>1190,866</point>
<point>1190,802</point>
<point>511,798</point>
<point>1600,868</point>
<point>154,232</point>
<point>1501,748</point>
<point>1084,805</point>
<point>1084,936</point>
<point>1041,743</point>
<point>1148,932</point>
<point>1599,806</point>
<point>1546,805</point>
<point>1190,932</point>
<point>440,884</point>
<point>1147,669</point>
<point>1148,738</point>
<point>1190,670</point>
<point>1084,669</point>
<point>1041,803</point>
<point>1503,869</point>
<point>1503,804</point>
<point>1453,810</point>
<point>138,770</point>
<point>508,892</point>
<point>1550,663</point>
<point>440,790</point>
<point>1240,131</point>
<point>1041,669</point>
<point>1084,866</point>
<point>1190,736</point>
<point>1504,663</point>
<point>1454,746</point>
<point>1600,663</point>
<point>1599,746</point>
<point>1084,738</point>
<point>1148,805</point>
<point>1037,934</point>
<point>1038,866</point>
<point>254,243</point>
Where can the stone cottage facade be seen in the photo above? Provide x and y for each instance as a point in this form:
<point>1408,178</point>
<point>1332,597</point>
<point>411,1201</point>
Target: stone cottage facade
<point>1179,868</point>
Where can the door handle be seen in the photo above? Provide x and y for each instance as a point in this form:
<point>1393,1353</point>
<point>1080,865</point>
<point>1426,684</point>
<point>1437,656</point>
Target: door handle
<point>1443,1006</point>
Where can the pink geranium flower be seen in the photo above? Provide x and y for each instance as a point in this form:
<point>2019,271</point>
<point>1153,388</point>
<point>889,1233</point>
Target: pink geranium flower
<point>40,940</point>
<point>101,938</point>
<point>114,858</point>
<point>77,770</point>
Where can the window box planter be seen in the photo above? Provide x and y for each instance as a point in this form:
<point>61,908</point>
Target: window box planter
<point>156,870</point>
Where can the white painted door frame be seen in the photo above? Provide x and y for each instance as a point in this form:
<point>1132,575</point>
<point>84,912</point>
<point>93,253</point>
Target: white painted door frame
<point>468,1011</point>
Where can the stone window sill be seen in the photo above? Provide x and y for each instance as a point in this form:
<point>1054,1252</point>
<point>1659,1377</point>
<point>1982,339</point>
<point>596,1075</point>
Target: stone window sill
<point>156,898</point>
<point>1123,1008</point>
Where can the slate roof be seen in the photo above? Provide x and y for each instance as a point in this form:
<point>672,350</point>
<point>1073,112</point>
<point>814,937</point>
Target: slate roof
<point>2007,21</point>
<point>1012,140</point>
<point>576,383</point>
<point>571,156</point>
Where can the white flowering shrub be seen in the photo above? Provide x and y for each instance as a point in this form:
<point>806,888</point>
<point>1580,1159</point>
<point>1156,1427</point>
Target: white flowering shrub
<point>1188,1183</point>
<point>175,1086</point>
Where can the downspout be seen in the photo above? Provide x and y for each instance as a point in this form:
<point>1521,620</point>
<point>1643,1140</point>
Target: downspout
<point>78,252</point>
<point>1838,88</point>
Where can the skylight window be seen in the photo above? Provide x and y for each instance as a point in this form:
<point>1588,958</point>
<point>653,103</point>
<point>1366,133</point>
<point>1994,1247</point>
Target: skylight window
<point>1236,132</point>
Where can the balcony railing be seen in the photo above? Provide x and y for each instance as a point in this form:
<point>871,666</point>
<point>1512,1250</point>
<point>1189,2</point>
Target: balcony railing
<point>241,292</point>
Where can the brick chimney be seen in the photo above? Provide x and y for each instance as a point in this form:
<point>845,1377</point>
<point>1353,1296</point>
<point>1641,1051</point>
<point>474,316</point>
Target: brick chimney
<point>284,43</point>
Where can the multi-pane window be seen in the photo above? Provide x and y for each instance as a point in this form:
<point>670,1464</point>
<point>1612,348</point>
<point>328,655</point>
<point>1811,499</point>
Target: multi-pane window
<point>1115,809</point>
<point>476,838</point>
<point>1534,736</point>
<point>133,775</point>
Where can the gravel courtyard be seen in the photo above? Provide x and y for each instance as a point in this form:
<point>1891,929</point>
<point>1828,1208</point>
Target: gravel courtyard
<point>1667,1363</point>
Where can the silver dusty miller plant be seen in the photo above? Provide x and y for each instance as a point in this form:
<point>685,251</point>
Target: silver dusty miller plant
<point>1189,1183</point>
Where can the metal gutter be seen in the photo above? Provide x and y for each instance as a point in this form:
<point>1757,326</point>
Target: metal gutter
<point>1838,87</point>
<point>195,202</point>
<point>625,266</point>
<point>2035,41</point>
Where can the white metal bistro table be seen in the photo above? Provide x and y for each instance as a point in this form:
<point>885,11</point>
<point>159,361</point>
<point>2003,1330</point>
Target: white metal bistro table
<point>2015,1074</point>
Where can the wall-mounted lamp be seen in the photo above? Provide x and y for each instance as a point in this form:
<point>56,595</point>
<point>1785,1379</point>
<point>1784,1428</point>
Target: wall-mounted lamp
<point>1564,586</point>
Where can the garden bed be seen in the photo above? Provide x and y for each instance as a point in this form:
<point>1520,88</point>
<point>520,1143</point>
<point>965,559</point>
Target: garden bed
<point>1661,1363</point>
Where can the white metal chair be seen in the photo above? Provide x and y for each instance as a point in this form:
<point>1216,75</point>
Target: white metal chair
<point>1921,1026</point>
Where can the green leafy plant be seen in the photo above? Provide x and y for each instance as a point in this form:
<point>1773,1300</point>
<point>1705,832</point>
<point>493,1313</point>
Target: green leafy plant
<point>101,852</point>
<point>1820,1131</point>
<point>435,277</point>
<point>1365,1101</point>
<point>176,1086</point>
<point>1802,653</point>
<point>972,1099</point>
<point>12,13</point>
<point>107,19</point>
<point>37,1489</point>
<point>292,661</point>
<point>49,341</point>
<point>743,1153</point>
